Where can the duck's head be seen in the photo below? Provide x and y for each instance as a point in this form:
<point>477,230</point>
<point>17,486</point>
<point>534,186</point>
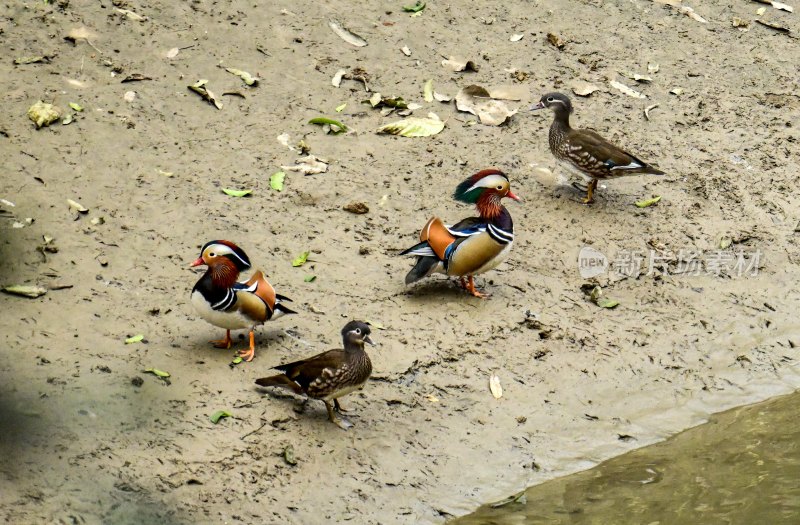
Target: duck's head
<point>356,333</point>
<point>485,189</point>
<point>222,253</point>
<point>558,102</point>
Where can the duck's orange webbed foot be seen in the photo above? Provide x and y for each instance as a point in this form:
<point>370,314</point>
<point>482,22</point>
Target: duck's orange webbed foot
<point>471,289</point>
<point>249,353</point>
<point>223,343</point>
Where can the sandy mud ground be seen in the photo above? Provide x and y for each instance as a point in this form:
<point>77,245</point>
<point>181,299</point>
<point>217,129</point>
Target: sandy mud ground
<point>80,442</point>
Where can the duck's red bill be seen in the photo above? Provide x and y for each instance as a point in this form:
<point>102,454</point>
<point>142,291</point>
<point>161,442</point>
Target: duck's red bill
<point>198,262</point>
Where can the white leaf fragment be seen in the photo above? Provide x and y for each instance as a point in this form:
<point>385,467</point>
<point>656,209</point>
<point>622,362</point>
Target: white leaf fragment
<point>345,34</point>
<point>626,90</point>
<point>495,387</point>
<point>336,81</point>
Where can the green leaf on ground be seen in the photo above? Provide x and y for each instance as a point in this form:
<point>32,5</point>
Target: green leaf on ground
<point>135,339</point>
<point>301,259</point>
<point>276,180</point>
<point>427,91</point>
<point>321,121</point>
<point>648,202</point>
<point>236,193</point>
<point>219,414</point>
<point>414,8</point>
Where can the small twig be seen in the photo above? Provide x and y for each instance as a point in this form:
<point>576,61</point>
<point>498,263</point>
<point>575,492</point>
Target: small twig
<point>93,46</point>
<point>29,154</point>
<point>263,424</point>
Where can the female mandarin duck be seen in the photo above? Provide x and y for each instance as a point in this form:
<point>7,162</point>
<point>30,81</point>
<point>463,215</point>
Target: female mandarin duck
<point>584,152</point>
<point>226,303</point>
<point>474,245</point>
<point>329,375</point>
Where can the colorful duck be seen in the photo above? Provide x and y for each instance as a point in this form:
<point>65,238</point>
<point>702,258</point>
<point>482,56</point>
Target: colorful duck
<point>224,302</point>
<point>474,245</point>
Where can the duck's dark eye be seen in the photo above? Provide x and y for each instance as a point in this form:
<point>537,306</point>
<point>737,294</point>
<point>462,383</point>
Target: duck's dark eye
<point>358,331</point>
<point>212,254</point>
<point>499,187</point>
<point>549,99</point>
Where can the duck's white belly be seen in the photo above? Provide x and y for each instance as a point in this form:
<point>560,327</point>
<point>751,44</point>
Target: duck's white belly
<point>573,170</point>
<point>492,264</point>
<point>228,320</point>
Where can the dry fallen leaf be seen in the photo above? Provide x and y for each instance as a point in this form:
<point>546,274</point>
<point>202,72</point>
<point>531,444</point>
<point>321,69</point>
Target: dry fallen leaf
<point>653,68</point>
<point>308,165</point>
<point>413,127</point>
<point>130,15</point>
<point>172,53</point>
<point>358,208</point>
<point>583,89</point>
<point>516,38</point>
<point>459,64</point>
<point>636,76</point>
<point>626,90</point>
<point>777,5</point>
<point>512,92</point>
<point>80,33</point>
<point>495,387</point>
<point>406,51</point>
<point>440,97</point>
<point>199,87</point>
<point>43,114</point>
<point>741,24</point>
<point>476,100</point>
<point>556,40</point>
<point>25,290</point>
<point>773,25</point>
<point>648,109</point>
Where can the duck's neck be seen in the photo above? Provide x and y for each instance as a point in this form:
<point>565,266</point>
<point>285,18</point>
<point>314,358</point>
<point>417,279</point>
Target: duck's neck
<point>561,119</point>
<point>489,206</point>
<point>223,274</point>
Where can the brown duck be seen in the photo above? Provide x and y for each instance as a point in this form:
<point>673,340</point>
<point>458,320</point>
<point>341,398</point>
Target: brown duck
<point>584,152</point>
<point>329,375</point>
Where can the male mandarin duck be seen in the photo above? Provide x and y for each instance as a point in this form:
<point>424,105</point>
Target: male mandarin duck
<point>226,303</point>
<point>584,152</point>
<point>474,245</point>
<point>329,375</point>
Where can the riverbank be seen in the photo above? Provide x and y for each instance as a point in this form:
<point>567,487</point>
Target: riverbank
<point>88,436</point>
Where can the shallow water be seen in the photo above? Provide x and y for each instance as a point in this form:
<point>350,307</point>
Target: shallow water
<point>743,466</point>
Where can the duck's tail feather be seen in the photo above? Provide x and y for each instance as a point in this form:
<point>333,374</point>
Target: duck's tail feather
<point>424,267</point>
<point>280,380</point>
